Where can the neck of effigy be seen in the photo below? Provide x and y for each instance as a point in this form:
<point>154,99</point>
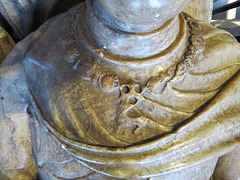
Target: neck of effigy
<point>129,40</point>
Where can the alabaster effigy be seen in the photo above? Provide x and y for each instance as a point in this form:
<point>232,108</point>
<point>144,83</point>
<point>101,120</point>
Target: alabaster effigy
<point>116,89</point>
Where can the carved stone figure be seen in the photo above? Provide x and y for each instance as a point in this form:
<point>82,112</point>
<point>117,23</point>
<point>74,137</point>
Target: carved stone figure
<point>116,89</point>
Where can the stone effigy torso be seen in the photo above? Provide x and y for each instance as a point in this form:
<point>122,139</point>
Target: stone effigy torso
<point>92,99</point>
<point>122,103</point>
<point>128,117</point>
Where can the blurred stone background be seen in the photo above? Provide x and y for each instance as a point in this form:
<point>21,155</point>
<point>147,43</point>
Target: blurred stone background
<point>228,20</point>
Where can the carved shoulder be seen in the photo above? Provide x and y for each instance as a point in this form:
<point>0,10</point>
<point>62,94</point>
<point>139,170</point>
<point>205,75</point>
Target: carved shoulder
<point>218,61</point>
<point>221,51</point>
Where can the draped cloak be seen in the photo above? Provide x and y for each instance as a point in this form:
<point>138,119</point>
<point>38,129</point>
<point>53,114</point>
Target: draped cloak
<point>81,113</point>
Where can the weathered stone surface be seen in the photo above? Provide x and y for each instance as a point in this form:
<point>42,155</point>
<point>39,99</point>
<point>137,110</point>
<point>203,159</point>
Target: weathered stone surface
<point>15,142</point>
<point>6,44</point>
<point>228,166</point>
